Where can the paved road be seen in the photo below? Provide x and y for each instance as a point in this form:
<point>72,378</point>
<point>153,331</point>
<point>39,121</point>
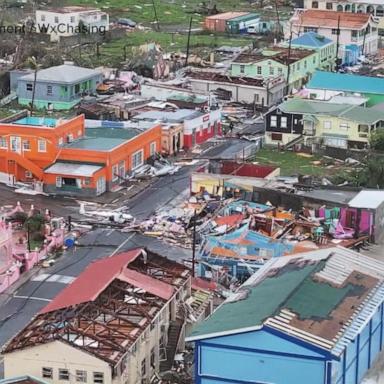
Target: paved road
<point>42,287</point>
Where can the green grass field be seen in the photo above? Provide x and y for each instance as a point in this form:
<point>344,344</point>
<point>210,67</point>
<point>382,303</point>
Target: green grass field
<point>291,163</point>
<point>168,11</point>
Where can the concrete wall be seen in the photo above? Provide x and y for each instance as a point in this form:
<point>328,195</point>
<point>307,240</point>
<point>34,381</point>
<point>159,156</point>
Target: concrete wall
<point>54,355</point>
<point>242,93</point>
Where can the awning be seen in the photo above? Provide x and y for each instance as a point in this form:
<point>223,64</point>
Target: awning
<point>73,169</point>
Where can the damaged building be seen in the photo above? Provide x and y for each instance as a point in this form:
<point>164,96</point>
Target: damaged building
<point>312,318</point>
<point>120,321</point>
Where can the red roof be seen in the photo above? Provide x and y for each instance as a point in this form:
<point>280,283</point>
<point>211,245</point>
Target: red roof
<point>147,283</point>
<point>89,285</point>
<point>330,19</point>
<point>198,283</point>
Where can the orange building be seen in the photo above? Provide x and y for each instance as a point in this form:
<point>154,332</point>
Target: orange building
<point>70,159</point>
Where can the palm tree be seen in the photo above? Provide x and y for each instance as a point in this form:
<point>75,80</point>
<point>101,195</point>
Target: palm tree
<point>32,63</point>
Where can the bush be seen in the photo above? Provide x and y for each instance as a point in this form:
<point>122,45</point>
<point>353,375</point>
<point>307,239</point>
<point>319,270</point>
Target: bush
<point>377,140</point>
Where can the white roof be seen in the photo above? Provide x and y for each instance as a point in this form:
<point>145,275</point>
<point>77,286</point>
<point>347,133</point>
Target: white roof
<point>73,169</point>
<point>368,199</point>
<point>63,74</point>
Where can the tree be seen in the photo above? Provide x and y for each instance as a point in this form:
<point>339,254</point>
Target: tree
<point>32,63</point>
<point>372,173</point>
<point>377,140</point>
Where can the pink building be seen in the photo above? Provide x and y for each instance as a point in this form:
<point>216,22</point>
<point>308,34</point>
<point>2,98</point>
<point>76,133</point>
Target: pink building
<point>15,259</point>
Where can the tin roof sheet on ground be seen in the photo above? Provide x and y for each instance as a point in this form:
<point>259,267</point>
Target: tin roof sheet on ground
<point>73,169</point>
<point>168,116</point>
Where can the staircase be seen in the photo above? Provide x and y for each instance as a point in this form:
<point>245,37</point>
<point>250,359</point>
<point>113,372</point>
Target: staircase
<point>296,140</point>
<point>174,331</point>
<point>25,163</point>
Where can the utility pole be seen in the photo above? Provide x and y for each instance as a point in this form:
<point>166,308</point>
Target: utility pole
<point>365,35</point>
<point>337,44</point>
<point>156,18</point>
<point>28,237</point>
<point>188,41</point>
<point>194,244</point>
<point>278,21</point>
<point>288,64</point>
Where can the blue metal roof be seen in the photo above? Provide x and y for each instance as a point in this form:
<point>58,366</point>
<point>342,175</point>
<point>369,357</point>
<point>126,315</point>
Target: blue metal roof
<point>311,40</point>
<point>346,82</point>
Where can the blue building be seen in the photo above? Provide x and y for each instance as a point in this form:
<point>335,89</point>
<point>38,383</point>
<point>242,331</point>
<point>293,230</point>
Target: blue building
<point>315,317</point>
<point>326,48</point>
<point>240,252</point>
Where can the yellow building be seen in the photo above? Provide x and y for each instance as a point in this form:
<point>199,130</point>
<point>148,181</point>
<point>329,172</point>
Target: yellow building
<point>119,322</point>
<point>324,123</point>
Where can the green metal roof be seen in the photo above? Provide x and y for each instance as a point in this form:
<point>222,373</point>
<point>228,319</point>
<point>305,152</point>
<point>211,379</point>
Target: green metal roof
<point>247,17</point>
<point>113,133</point>
<point>257,304</point>
<point>349,112</point>
<point>96,144</point>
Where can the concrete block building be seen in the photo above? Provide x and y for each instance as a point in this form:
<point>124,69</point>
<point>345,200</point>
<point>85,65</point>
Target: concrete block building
<point>315,317</point>
<point>57,88</point>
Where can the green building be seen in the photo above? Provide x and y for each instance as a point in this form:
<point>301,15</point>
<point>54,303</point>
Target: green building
<point>296,65</point>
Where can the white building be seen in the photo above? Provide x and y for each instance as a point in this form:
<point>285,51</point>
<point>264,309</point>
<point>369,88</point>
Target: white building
<point>374,7</point>
<point>356,29</point>
<point>69,21</point>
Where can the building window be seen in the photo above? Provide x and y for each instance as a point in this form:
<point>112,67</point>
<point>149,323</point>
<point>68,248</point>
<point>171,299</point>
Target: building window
<point>115,172</point>
<point>329,6</point>
<point>61,141</point>
<point>280,71</point>
<point>81,376</point>
<point>305,64</point>
<point>271,71</point>
<point>143,368</point>
<point>49,90</point>
<point>298,65</point>
<point>63,374</point>
<point>242,68</point>
<point>59,182</point>
<point>327,124</point>
<point>283,122</point>
<point>56,19</point>
<point>98,377</point>
<point>137,159</point>
<point>47,373</point>
<point>344,126</point>
<point>42,17</point>
<point>28,175</point>
<point>277,136</point>
<point>3,142</point>
<point>273,121</point>
<point>29,87</point>
<point>72,19</point>
<point>42,146</point>
<point>310,29</point>
<point>258,70</point>
<point>315,4</point>
<point>314,59</point>
<point>152,148</point>
<point>87,181</point>
<point>334,31</point>
<point>26,145</point>
<point>153,358</point>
